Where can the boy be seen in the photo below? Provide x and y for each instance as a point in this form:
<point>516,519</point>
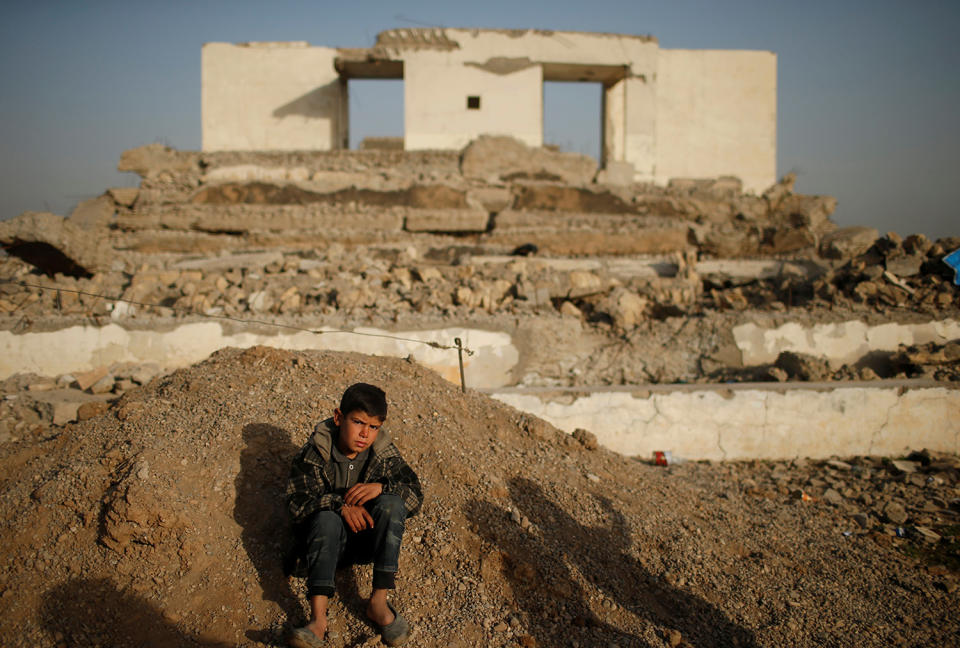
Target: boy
<point>349,493</point>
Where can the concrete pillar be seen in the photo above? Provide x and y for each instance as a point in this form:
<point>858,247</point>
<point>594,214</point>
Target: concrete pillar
<point>641,120</point>
<point>614,122</point>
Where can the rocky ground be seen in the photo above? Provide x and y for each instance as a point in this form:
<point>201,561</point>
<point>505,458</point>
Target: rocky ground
<point>158,520</point>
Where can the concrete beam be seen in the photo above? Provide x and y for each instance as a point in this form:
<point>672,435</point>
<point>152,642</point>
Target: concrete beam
<point>758,421</point>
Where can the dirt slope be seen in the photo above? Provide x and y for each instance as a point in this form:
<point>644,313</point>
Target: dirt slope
<point>160,523</point>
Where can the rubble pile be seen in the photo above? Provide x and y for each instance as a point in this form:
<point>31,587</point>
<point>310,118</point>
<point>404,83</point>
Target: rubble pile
<point>533,242</point>
<point>892,274</point>
<point>158,522</point>
<point>142,507</point>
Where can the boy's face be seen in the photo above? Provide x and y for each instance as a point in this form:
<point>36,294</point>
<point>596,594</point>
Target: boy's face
<point>358,431</point>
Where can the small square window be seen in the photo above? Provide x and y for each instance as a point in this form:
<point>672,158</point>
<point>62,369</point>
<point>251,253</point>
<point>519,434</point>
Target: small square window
<point>473,102</point>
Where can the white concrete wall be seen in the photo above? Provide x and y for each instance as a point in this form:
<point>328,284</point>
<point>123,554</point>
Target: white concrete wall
<point>840,343</point>
<point>271,96</point>
<point>723,423</point>
<point>717,115</point>
<point>82,348</point>
<point>436,85</point>
<point>435,92</point>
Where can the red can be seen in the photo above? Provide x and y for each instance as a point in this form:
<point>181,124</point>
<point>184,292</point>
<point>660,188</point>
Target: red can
<point>662,457</point>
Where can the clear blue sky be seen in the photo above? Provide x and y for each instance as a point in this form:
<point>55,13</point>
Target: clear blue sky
<point>868,91</point>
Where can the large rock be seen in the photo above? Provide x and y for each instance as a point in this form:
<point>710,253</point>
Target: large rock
<point>848,242</point>
<point>728,241</point>
<point>792,239</point>
<point>781,190</point>
<point>54,245</point>
<point>802,366</point>
<point>498,158</point>
<point>625,307</point>
<point>812,212</point>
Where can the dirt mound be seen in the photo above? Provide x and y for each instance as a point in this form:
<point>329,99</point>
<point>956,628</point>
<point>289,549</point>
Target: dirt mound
<point>161,523</point>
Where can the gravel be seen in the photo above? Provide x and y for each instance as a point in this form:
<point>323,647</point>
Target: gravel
<point>160,522</point>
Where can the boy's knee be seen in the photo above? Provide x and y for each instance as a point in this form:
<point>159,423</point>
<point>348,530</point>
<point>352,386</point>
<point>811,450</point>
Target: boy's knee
<point>390,506</point>
<point>326,523</point>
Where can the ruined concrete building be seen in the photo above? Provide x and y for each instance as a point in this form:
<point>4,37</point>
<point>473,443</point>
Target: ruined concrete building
<point>665,113</point>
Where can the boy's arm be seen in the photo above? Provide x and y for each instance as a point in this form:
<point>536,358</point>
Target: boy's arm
<point>307,491</point>
<point>400,480</point>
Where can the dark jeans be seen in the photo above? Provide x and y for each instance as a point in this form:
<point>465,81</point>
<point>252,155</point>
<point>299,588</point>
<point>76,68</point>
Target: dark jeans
<point>330,543</point>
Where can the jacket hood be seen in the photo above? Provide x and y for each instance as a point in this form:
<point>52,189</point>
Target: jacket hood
<point>325,434</point>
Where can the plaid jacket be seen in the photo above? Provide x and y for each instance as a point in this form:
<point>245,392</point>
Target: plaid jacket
<point>310,489</point>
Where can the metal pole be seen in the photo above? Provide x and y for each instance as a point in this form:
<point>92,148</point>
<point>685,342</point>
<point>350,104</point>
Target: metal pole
<point>463,381</point>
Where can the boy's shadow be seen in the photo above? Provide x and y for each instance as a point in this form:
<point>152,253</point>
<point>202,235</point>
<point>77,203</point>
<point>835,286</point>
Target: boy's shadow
<point>93,612</point>
<point>602,556</point>
<point>260,511</point>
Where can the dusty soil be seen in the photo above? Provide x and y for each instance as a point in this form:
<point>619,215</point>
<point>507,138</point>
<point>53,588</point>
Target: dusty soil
<point>160,523</point>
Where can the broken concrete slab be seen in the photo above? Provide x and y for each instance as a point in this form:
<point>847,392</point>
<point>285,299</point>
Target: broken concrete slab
<point>243,219</point>
<point>446,220</point>
<point>93,214</point>
<point>586,242</point>
<point>86,379</point>
<point>498,158</point>
<point>230,261</point>
<point>124,196</point>
<point>905,265</point>
<point>153,159</point>
<point>54,245</point>
<point>489,199</point>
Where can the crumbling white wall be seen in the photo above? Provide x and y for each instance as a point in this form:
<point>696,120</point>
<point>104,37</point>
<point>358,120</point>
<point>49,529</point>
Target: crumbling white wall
<point>83,348</point>
<point>839,343</point>
<point>717,115</point>
<point>670,113</point>
<point>759,422</point>
<point>271,96</point>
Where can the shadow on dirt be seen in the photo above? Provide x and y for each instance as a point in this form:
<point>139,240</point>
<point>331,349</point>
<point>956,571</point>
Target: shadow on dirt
<point>93,612</point>
<point>602,556</point>
<point>260,511</point>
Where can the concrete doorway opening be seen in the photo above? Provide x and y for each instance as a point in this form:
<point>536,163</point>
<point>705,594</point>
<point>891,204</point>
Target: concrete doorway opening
<point>573,117</point>
<point>375,113</point>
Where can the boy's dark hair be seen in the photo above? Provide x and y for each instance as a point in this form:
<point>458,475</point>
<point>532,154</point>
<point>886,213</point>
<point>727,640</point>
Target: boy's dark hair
<point>366,398</point>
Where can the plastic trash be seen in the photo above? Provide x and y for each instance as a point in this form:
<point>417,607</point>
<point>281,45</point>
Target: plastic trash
<point>953,260</point>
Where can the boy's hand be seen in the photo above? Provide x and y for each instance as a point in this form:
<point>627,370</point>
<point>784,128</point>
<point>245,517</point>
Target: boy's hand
<point>356,517</point>
<point>360,494</point>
